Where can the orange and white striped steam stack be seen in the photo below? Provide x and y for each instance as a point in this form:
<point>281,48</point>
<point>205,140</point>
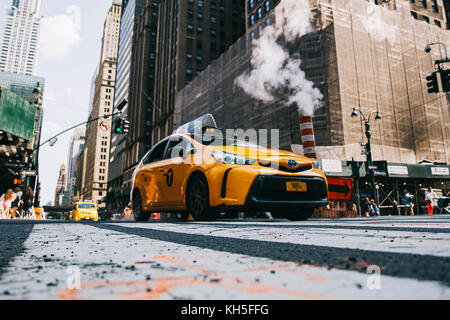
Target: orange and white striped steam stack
<point>308,138</point>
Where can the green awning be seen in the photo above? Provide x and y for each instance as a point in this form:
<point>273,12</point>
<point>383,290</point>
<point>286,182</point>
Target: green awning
<point>16,115</point>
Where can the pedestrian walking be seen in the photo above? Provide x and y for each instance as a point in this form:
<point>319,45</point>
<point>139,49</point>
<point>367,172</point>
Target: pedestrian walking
<point>431,200</point>
<point>368,209</point>
<point>17,202</point>
<point>5,201</point>
<point>375,209</point>
<point>408,202</point>
<point>28,202</point>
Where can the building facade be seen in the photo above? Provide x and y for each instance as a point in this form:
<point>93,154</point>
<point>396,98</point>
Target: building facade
<point>18,53</point>
<point>98,132</point>
<point>76,145</point>
<point>130,9</point>
<point>141,97</point>
<point>60,187</point>
<point>356,63</point>
<point>200,32</point>
<point>18,148</point>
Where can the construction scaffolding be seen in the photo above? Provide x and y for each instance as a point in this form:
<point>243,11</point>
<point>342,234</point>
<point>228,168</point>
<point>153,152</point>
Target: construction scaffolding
<point>361,55</point>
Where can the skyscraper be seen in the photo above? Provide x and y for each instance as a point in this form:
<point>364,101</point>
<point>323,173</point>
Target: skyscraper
<point>198,33</point>
<point>130,10</point>
<point>98,133</point>
<point>75,147</point>
<point>20,37</point>
<point>60,185</point>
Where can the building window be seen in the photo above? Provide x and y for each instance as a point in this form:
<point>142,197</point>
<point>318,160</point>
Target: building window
<point>267,6</point>
<point>259,13</point>
<point>200,4</point>
<point>426,19</point>
<point>213,20</point>
<point>423,3</point>
<point>252,3</point>
<point>438,23</point>
<point>414,14</point>
<point>252,19</point>
<point>199,29</point>
<point>434,5</point>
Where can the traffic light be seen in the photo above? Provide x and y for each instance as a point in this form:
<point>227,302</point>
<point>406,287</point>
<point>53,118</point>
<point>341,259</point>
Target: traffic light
<point>432,83</point>
<point>118,126</point>
<point>126,126</point>
<point>17,182</point>
<point>445,79</point>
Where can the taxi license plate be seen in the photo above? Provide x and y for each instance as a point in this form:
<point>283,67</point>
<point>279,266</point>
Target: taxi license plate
<point>296,186</point>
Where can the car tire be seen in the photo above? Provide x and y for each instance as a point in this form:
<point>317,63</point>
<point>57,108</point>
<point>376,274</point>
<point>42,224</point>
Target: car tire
<point>197,200</point>
<point>301,215</point>
<point>182,217</point>
<point>138,211</point>
<point>298,215</point>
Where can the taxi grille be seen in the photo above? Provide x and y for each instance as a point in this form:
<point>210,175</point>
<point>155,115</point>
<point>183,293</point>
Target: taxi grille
<point>273,188</point>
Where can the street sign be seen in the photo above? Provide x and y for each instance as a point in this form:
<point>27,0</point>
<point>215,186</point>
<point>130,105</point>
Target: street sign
<point>340,189</point>
<point>104,126</point>
<point>29,173</point>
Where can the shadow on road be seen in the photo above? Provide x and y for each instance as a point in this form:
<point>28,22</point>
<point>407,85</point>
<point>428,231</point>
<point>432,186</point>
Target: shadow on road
<point>421,267</point>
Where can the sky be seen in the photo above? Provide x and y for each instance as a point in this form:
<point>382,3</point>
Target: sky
<point>69,51</point>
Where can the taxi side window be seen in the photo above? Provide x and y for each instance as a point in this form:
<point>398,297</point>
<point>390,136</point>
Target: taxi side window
<point>157,153</point>
<point>177,148</point>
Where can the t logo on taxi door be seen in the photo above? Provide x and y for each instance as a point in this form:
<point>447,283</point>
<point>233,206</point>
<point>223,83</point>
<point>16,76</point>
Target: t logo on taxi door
<point>169,177</point>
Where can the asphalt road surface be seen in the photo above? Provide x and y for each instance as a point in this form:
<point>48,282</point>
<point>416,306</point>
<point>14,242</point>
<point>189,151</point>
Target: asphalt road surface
<point>358,258</point>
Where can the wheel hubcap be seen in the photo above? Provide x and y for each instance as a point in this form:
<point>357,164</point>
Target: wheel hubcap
<point>197,197</point>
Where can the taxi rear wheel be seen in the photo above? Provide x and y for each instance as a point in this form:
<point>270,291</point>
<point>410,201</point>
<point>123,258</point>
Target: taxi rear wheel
<point>297,215</point>
<point>198,200</point>
<point>301,215</point>
<point>139,214</point>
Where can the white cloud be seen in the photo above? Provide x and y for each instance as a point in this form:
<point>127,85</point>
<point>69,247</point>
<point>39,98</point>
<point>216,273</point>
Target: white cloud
<point>49,129</point>
<point>60,33</point>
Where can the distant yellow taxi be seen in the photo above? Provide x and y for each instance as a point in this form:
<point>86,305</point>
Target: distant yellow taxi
<point>84,211</point>
<point>198,172</point>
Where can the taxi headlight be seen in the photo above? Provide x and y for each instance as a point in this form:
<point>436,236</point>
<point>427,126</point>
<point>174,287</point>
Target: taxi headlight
<point>229,158</point>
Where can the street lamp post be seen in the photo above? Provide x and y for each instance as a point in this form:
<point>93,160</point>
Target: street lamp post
<point>52,141</point>
<point>368,147</point>
<point>37,93</point>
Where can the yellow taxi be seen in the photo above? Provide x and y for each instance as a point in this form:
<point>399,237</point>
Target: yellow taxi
<point>198,172</point>
<point>84,210</point>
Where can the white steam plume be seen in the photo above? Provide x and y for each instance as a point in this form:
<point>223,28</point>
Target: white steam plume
<point>273,68</point>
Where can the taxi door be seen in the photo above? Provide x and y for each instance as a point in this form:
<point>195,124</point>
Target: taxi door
<point>172,173</point>
<point>147,179</point>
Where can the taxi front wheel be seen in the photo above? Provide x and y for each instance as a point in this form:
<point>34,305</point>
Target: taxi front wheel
<point>198,200</point>
<point>139,214</point>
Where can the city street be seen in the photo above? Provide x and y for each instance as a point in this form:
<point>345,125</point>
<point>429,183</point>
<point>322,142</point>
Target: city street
<point>353,258</point>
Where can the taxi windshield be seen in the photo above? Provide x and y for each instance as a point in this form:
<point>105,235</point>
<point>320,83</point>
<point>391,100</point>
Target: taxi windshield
<point>86,206</point>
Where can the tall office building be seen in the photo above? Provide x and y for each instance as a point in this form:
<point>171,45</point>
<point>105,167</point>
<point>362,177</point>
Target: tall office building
<point>141,97</point>
<point>75,147</point>
<point>60,186</point>
<point>354,63</point>
<point>130,10</point>
<point>199,32</point>
<point>18,53</point>
<point>98,133</point>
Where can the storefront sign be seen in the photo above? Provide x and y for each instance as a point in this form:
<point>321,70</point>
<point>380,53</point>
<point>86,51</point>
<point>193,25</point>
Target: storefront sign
<point>440,171</point>
<point>332,166</point>
<point>398,170</point>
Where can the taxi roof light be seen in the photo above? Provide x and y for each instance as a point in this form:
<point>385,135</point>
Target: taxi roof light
<point>205,123</point>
